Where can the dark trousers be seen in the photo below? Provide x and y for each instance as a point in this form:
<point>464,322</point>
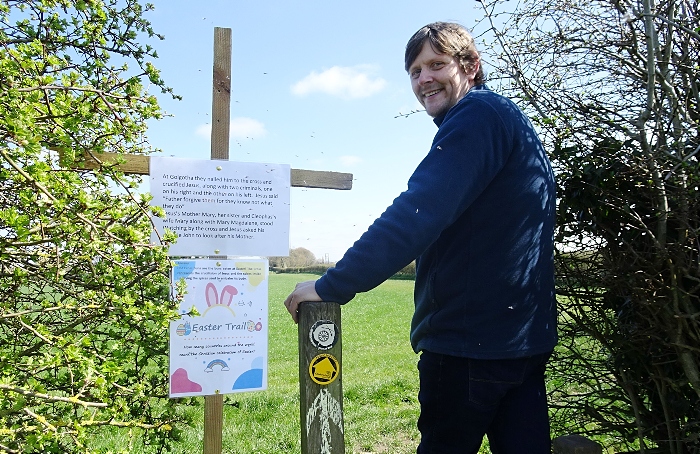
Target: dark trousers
<point>463,399</point>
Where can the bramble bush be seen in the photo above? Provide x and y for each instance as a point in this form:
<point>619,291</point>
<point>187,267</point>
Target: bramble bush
<point>614,88</point>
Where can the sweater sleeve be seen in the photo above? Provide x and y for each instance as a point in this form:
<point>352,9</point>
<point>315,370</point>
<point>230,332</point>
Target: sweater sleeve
<point>470,147</point>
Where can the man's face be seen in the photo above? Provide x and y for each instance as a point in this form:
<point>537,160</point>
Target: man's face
<point>438,80</point>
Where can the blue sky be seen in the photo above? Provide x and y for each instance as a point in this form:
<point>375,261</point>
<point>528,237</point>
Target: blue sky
<point>315,84</point>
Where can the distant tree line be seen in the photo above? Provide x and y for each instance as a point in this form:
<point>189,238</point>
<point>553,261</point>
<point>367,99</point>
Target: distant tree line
<point>298,258</point>
<point>301,260</point>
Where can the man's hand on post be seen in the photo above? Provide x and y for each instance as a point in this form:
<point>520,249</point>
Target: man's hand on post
<point>304,291</point>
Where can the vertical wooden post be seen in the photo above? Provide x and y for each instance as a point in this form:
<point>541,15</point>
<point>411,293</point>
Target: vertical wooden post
<point>213,423</point>
<point>320,379</point>
<point>220,121</point>
<point>221,94</point>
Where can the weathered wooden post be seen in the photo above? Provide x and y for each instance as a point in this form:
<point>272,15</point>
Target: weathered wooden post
<point>320,379</point>
<point>221,106</point>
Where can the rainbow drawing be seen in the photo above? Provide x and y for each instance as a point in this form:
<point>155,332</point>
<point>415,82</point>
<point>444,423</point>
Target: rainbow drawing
<point>217,362</point>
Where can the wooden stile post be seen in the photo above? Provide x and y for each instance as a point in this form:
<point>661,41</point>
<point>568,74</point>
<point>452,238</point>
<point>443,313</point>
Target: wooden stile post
<point>320,379</point>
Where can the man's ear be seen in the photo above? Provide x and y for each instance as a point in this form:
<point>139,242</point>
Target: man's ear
<point>475,67</point>
<point>471,67</point>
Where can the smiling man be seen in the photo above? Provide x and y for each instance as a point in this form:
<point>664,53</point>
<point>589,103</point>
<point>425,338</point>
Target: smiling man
<point>478,217</point>
<point>439,80</point>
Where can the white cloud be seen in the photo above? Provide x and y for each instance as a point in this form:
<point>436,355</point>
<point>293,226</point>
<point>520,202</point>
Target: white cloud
<point>345,82</point>
<point>349,161</point>
<point>241,128</point>
<point>204,130</point>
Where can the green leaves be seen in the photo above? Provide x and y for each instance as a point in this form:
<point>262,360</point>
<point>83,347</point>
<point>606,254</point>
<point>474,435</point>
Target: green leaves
<point>84,297</point>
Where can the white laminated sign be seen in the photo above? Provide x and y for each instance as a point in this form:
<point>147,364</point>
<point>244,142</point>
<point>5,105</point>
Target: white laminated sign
<point>222,207</point>
<point>220,343</point>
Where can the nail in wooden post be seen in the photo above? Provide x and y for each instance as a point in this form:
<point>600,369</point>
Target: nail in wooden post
<point>320,379</point>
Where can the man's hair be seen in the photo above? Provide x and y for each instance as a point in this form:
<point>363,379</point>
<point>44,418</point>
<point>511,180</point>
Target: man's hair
<point>446,38</point>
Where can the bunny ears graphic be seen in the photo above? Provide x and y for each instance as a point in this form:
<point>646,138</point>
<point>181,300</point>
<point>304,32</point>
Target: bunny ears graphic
<point>213,299</point>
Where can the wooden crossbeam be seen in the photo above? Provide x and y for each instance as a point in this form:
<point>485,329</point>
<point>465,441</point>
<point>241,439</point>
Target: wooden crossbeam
<point>140,165</point>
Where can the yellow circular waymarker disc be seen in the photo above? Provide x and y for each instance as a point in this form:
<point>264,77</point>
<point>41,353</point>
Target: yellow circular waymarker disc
<point>324,369</point>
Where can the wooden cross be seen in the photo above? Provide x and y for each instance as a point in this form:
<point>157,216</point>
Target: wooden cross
<point>140,165</point>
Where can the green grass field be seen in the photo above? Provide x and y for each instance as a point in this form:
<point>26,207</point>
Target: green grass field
<point>380,384</point>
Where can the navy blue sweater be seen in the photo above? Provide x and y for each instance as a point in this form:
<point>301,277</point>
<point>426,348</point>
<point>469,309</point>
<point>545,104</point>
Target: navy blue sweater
<point>478,215</point>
